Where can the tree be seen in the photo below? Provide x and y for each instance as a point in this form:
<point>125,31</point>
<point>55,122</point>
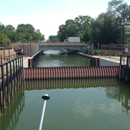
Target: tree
<point>62,33</point>
<point>10,32</point>
<point>79,27</point>
<point>118,7</point>
<point>37,36</point>
<point>26,32</point>
<point>3,37</point>
<point>84,27</point>
<point>105,29</point>
<point>53,38</point>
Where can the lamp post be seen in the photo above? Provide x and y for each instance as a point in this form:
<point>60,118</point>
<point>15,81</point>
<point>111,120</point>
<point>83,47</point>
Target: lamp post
<point>123,21</point>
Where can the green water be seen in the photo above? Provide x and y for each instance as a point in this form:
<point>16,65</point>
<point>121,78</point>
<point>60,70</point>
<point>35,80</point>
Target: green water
<point>59,60</point>
<point>101,104</point>
<point>75,104</point>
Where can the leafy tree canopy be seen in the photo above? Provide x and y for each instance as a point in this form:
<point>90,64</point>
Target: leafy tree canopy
<point>23,33</point>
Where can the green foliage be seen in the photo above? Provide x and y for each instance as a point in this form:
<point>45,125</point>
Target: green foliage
<point>119,7</point>
<point>80,27</point>
<point>26,32</point>
<point>4,39</point>
<point>53,38</point>
<point>104,29</point>
<point>23,33</point>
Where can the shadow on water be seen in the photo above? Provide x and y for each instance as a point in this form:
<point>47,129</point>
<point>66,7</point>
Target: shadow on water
<point>113,87</point>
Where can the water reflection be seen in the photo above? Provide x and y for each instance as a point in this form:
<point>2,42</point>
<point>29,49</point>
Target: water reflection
<point>124,98</point>
<point>10,117</point>
<point>114,88</point>
<point>69,83</point>
<point>87,100</point>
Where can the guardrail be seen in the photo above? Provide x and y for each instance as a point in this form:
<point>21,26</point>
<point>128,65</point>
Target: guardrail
<point>10,79</point>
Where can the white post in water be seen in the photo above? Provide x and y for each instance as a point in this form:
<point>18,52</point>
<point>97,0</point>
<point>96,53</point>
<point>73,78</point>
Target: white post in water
<point>45,97</point>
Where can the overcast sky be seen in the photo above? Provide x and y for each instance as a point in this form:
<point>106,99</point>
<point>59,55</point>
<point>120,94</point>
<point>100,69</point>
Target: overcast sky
<point>48,15</point>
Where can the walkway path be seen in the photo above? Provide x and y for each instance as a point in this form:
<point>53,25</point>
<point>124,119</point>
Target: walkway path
<point>110,58</point>
<point>115,59</point>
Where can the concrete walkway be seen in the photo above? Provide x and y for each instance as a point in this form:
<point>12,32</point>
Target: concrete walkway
<point>24,58</point>
<point>105,60</point>
<point>109,58</point>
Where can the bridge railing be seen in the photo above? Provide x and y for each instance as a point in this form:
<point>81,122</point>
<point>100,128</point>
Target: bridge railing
<point>61,43</point>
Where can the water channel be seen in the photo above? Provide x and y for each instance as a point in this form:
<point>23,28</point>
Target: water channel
<point>75,104</point>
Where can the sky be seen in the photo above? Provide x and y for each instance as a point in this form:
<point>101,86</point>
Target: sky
<point>48,15</point>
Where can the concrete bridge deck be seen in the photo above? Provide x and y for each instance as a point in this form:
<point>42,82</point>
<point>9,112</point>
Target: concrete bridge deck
<point>68,46</point>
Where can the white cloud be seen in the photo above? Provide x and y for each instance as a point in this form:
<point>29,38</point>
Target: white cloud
<point>88,108</point>
<point>85,109</point>
<point>112,108</point>
<point>47,23</point>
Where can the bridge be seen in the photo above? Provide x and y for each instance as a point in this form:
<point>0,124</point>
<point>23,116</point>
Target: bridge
<point>58,46</point>
<point>30,49</point>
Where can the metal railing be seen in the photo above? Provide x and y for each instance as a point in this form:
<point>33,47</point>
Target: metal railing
<point>10,78</point>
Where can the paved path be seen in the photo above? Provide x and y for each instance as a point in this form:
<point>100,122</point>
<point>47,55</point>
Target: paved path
<point>24,58</point>
<point>110,58</point>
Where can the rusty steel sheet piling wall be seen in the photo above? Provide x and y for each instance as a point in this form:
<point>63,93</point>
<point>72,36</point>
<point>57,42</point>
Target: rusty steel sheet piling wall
<point>70,72</point>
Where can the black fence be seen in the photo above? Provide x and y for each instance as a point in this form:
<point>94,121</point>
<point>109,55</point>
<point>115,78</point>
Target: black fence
<point>10,80</point>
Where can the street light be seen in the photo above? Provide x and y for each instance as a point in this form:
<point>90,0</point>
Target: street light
<point>123,21</point>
